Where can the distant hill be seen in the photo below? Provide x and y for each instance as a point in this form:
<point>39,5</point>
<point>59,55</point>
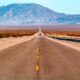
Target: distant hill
<point>25,14</point>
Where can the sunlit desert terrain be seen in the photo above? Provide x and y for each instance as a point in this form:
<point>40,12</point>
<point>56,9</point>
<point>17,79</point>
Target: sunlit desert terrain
<point>27,55</point>
<point>7,42</point>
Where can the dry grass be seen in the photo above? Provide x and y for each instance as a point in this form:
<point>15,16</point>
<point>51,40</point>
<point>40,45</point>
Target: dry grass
<point>66,35</point>
<point>16,33</point>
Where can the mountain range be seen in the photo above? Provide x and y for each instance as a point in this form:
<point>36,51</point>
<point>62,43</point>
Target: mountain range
<point>26,14</point>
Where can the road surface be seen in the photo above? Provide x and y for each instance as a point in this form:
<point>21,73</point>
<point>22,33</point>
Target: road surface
<point>39,59</point>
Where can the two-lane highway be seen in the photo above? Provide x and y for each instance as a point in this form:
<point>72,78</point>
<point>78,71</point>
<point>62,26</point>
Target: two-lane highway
<point>39,59</point>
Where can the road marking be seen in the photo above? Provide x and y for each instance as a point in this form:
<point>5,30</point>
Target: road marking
<point>37,57</point>
<point>37,68</point>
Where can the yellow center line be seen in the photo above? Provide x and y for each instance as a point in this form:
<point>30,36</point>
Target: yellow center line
<point>37,65</point>
<point>37,68</point>
<point>37,57</point>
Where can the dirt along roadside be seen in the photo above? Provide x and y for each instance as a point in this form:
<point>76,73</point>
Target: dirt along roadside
<point>7,42</point>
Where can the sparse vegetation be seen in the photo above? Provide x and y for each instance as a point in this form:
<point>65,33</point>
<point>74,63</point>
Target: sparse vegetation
<point>64,35</point>
<point>67,33</point>
<point>16,33</point>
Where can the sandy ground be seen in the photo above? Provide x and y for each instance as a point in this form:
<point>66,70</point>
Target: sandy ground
<point>7,42</point>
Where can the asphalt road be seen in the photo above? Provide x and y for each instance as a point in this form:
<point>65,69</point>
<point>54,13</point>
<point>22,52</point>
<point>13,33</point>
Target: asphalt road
<point>39,59</point>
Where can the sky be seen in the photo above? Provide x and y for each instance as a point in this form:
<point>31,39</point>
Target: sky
<point>62,6</point>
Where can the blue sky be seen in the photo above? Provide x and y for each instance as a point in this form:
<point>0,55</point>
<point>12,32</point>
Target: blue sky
<point>62,6</point>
